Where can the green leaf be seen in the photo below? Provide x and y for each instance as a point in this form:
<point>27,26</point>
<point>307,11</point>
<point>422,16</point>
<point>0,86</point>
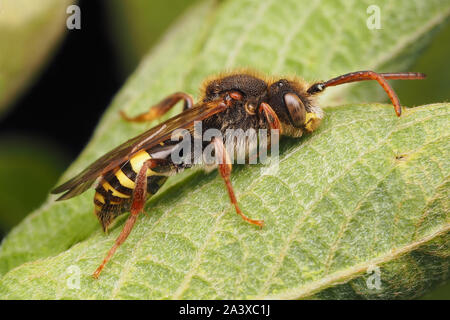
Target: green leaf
<point>29,31</point>
<point>367,189</point>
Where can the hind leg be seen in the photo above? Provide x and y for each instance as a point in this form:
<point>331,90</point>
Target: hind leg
<point>137,204</point>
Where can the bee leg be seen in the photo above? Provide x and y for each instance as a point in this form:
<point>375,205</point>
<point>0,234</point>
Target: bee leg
<point>137,204</point>
<point>225,171</point>
<point>161,108</point>
<point>272,119</point>
<point>271,116</point>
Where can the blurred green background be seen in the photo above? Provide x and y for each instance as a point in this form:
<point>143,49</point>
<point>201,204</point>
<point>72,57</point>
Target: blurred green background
<point>32,161</point>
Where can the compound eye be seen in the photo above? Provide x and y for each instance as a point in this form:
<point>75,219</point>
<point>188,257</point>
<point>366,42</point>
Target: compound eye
<point>296,109</point>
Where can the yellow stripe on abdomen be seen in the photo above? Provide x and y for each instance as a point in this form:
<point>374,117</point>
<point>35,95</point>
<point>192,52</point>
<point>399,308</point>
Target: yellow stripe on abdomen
<point>124,180</point>
<point>115,193</point>
<point>137,161</point>
<point>99,197</point>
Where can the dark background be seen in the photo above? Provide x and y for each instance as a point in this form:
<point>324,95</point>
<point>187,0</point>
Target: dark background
<point>51,122</point>
<point>66,102</point>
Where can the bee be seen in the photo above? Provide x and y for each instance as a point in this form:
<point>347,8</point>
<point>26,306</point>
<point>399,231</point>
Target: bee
<point>131,173</point>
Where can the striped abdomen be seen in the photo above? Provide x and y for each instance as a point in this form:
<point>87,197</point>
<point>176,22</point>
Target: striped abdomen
<point>114,192</point>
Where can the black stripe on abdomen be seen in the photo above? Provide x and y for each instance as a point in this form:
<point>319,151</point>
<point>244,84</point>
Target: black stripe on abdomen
<point>108,195</point>
<point>154,183</point>
<point>115,183</point>
<point>128,171</point>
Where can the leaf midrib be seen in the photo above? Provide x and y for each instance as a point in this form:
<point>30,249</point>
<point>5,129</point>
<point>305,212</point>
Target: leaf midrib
<point>363,199</point>
<point>352,272</point>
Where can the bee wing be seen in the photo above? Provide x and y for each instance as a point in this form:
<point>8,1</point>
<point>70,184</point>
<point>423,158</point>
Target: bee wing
<point>146,140</point>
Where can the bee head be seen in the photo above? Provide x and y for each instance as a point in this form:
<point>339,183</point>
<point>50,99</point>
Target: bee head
<point>294,107</point>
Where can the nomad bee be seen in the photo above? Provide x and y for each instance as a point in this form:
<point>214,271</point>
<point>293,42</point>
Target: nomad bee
<point>132,172</point>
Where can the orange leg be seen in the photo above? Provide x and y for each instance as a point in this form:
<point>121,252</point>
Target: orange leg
<point>225,171</point>
<point>161,108</point>
<point>271,116</point>
<point>370,75</point>
<point>139,194</point>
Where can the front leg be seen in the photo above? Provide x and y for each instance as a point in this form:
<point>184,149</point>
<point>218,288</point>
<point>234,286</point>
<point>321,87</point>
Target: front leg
<point>271,116</point>
<point>225,171</point>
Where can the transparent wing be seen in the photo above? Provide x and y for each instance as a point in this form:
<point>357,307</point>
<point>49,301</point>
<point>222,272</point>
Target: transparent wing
<point>146,140</point>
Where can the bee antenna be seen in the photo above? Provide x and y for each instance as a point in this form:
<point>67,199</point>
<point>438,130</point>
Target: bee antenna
<point>316,88</point>
<point>369,75</point>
